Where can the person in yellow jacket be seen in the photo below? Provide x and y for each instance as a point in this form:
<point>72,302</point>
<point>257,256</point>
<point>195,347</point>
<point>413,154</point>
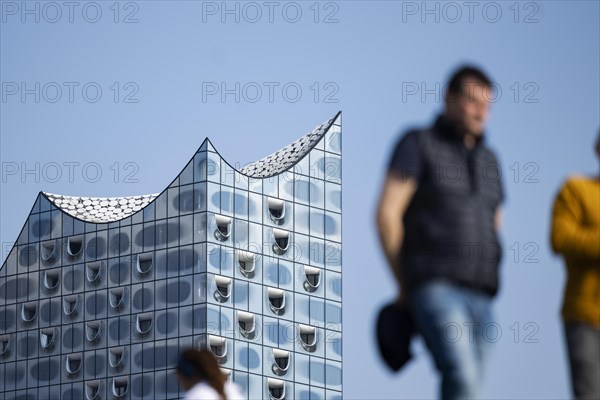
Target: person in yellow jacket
<point>576,236</point>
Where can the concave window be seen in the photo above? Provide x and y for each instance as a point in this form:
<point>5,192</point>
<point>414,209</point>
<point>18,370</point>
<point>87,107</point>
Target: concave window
<point>276,389</point>
<point>4,345</point>
<point>276,300</point>
<point>143,323</point>
<point>52,279</point>
<point>308,337</point>
<point>70,305</point>
<point>28,312</point>
<point>144,263</point>
<point>92,390</point>
<point>49,251</point>
<point>223,230</point>
<point>116,356</point>
<point>312,278</point>
<point>93,272</point>
<point>116,298</point>
<point>92,331</point>
<point>47,338</point>
<point>223,291</point>
<point>281,361</point>
<point>247,262</point>
<point>247,323</point>
<point>74,245</point>
<point>282,241</point>
<point>119,387</point>
<point>73,363</point>
<point>276,210</point>
<point>218,347</point>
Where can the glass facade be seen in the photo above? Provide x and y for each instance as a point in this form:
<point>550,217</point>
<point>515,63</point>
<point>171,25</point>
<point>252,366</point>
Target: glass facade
<point>249,267</point>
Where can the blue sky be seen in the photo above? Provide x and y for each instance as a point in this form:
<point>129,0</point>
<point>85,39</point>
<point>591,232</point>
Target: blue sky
<point>131,91</point>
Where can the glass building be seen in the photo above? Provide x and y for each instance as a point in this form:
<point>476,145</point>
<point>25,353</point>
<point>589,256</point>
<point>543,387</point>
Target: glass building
<point>98,296</point>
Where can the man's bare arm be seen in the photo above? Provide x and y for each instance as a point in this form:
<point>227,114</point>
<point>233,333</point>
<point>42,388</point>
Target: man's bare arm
<point>395,198</point>
<point>498,219</point>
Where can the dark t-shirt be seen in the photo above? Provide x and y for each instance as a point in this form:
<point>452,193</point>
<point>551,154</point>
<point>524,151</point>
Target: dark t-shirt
<point>406,159</point>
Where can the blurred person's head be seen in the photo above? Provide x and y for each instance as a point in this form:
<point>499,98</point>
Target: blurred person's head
<point>467,100</point>
<point>195,366</point>
<point>598,144</point>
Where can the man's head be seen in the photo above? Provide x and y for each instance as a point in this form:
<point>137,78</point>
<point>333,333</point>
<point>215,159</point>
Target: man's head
<point>467,99</point>
<point>598,145</point>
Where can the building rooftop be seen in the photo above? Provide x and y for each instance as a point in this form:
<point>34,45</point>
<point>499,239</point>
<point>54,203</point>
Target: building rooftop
<point>288,156</point>
<point>110,209</point>
<point>100,209</point>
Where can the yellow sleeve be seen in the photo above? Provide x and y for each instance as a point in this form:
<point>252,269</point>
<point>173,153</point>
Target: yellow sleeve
<point>569,235</point>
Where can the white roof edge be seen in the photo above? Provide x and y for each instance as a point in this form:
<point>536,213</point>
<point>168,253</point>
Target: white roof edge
<point>284,158</point>
<point>100,209</point>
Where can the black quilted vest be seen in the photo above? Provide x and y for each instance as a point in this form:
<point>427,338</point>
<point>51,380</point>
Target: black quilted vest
<point>449,224</point>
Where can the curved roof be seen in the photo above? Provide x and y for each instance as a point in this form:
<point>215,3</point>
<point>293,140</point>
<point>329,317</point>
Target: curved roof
<point>100,209</point>
<point>288,156</point>
<point>111,209</point>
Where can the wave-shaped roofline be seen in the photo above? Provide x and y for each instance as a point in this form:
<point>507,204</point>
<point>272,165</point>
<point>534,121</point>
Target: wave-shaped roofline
<point>46,195</point>
<point>323,128</point>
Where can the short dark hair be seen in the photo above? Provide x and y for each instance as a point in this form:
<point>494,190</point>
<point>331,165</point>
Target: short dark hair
<point>466,71</point>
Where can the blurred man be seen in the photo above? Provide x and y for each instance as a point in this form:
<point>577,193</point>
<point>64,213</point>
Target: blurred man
<point>576,235</point>
<point>437,219</point>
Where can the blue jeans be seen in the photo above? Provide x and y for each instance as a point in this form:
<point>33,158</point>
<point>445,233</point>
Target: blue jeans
<point>583,343</point>
<point>456,324</point>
